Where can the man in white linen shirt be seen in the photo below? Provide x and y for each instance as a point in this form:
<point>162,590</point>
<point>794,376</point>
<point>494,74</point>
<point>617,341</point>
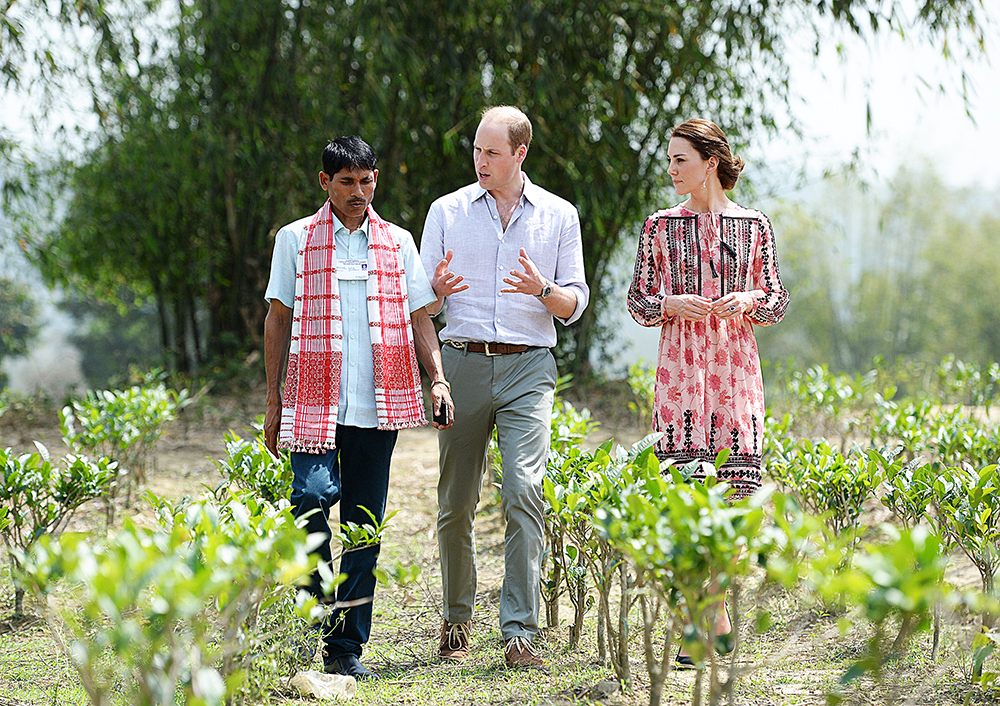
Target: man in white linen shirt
<point>507,257</point>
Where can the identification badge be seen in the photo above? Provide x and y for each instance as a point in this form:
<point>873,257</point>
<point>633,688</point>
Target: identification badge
<point>352,269</point>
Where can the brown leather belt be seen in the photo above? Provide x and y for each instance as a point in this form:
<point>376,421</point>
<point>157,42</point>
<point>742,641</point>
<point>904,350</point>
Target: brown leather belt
<point>489,349</point>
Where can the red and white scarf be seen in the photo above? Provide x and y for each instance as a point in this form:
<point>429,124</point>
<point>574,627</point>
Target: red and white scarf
<point>312,387</point>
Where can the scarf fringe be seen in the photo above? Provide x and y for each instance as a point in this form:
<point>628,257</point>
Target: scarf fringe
<point>305,446</point>
<point>422,422</point>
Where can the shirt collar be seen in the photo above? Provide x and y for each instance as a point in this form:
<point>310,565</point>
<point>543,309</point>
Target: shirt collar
<point>337,225</point>
<point>530,191</point>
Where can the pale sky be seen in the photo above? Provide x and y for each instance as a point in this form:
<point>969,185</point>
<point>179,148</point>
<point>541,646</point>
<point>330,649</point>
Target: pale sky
<point>911,116</point>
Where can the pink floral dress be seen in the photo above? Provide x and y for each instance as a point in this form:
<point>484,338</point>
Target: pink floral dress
<point>709,394</point>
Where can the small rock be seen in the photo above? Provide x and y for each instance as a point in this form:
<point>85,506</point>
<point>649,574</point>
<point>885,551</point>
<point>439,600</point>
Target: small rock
<point>325,686</point>
<point>602,690</point>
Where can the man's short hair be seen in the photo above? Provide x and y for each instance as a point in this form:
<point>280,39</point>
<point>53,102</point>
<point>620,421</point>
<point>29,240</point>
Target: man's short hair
<point>518,125</point>
<point>348,153</point>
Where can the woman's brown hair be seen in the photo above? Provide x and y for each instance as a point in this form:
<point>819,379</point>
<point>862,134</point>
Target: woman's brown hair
<point>709,140</point>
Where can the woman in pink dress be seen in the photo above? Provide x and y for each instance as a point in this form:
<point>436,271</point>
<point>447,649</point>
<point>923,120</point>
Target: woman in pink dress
<point>707,272</point>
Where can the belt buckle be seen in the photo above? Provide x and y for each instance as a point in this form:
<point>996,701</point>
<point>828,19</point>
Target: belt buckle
<point>486,350</point>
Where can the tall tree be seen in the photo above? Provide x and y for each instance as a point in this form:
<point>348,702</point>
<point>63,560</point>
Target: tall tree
<point>178,198</point>
<point>18,303</point>
<point>232,102</point>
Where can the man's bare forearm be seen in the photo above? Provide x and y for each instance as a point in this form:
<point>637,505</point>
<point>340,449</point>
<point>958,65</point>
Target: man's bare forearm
<point>562,302</point>
<point>277,335</point>
<point>426,342</point>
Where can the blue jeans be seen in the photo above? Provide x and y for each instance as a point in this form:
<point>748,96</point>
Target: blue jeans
<point>357,474</point>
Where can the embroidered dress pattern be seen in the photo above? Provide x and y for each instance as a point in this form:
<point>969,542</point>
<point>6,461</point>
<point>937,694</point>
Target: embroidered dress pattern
<point>315,358</point>
<point>708,393</point>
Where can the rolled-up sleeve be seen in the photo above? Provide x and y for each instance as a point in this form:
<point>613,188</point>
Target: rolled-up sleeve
<point>569,265</point>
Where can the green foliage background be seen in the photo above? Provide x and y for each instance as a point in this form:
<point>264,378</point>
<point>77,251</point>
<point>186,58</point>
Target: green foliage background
<point>212,117</point>
<point>17,319</point>
<point>903,272</point>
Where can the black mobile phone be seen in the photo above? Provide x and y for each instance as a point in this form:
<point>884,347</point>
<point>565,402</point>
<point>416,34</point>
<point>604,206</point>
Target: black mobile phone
<point>441,415</point>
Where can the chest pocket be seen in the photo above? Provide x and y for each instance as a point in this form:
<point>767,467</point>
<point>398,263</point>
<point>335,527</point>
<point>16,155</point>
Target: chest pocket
<point>539,236</point>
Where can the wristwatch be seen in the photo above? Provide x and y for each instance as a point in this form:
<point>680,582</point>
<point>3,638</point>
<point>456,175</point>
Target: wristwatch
<point>546,291</point>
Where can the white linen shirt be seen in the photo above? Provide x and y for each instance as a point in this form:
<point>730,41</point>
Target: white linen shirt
<point>546,226</point>
<point>357,380</point>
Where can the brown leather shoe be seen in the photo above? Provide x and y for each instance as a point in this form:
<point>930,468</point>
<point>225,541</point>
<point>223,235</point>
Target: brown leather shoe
<point>455,639</point>
<point>519,654</point>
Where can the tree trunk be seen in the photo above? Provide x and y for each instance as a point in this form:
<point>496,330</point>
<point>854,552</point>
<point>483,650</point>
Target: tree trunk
<point>937,632</point>
<point>657,669</point>
<point>698,679</point>
<point>989,589</point>
<point>551,595</point>
<point>579,612</point>
<point>192,325</point>
<point>18,601</point>
<point>178,344</point>
<point>624,666</point>
<point>602,639</point>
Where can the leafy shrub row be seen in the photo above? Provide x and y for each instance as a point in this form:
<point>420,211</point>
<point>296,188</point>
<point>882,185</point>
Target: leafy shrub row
<point>200,607</point>
<point>625,521</point>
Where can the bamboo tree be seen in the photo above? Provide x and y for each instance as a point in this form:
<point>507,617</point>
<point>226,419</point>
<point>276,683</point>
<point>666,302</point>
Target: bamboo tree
<point>213,115</point>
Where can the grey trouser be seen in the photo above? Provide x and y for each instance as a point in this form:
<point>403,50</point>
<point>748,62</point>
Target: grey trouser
<point>515,393</point>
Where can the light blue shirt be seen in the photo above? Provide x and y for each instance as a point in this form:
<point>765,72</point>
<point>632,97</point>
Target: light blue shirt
<point>357,379</point>
<point>545,225</point>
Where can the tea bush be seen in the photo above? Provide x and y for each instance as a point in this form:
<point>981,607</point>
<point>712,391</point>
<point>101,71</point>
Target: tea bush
<point>123,425</point>
<point>157,613</point>
<point>575,487</point>
<point>250,466</point>
<point>38,498</point>
<point>686,545</point>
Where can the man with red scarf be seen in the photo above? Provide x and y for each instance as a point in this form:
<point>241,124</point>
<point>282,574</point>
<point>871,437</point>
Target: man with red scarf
<point>346,309</point>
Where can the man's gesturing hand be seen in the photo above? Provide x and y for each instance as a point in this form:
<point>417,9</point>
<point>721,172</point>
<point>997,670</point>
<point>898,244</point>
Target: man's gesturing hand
<point>445,282</point>
<point>529,281</point>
